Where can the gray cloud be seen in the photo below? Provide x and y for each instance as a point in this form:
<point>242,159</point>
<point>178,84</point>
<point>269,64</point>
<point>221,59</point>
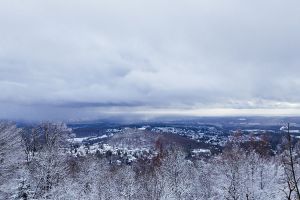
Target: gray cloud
<point>82,58</point>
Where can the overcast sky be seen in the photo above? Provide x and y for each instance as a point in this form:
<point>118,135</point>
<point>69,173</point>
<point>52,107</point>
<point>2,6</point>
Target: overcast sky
<point>76,59</point>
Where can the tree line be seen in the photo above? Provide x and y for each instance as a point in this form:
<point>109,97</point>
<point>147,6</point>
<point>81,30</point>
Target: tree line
<point>36,163</point>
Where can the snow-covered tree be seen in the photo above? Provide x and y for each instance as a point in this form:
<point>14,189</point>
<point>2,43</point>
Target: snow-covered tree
<point>10,158</point>
<point>291,165</point>
<point>247,175</point>
<point>48,166</point>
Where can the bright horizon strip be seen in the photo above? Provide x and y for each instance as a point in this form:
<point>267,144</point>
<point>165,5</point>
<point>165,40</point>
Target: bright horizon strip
<point>210,112</point>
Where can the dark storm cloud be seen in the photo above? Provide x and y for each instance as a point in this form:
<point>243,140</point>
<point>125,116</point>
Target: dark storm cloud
<point>82,58</point>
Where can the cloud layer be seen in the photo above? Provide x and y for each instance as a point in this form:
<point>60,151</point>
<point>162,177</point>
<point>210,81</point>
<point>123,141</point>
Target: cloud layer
<point>83,58</point>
